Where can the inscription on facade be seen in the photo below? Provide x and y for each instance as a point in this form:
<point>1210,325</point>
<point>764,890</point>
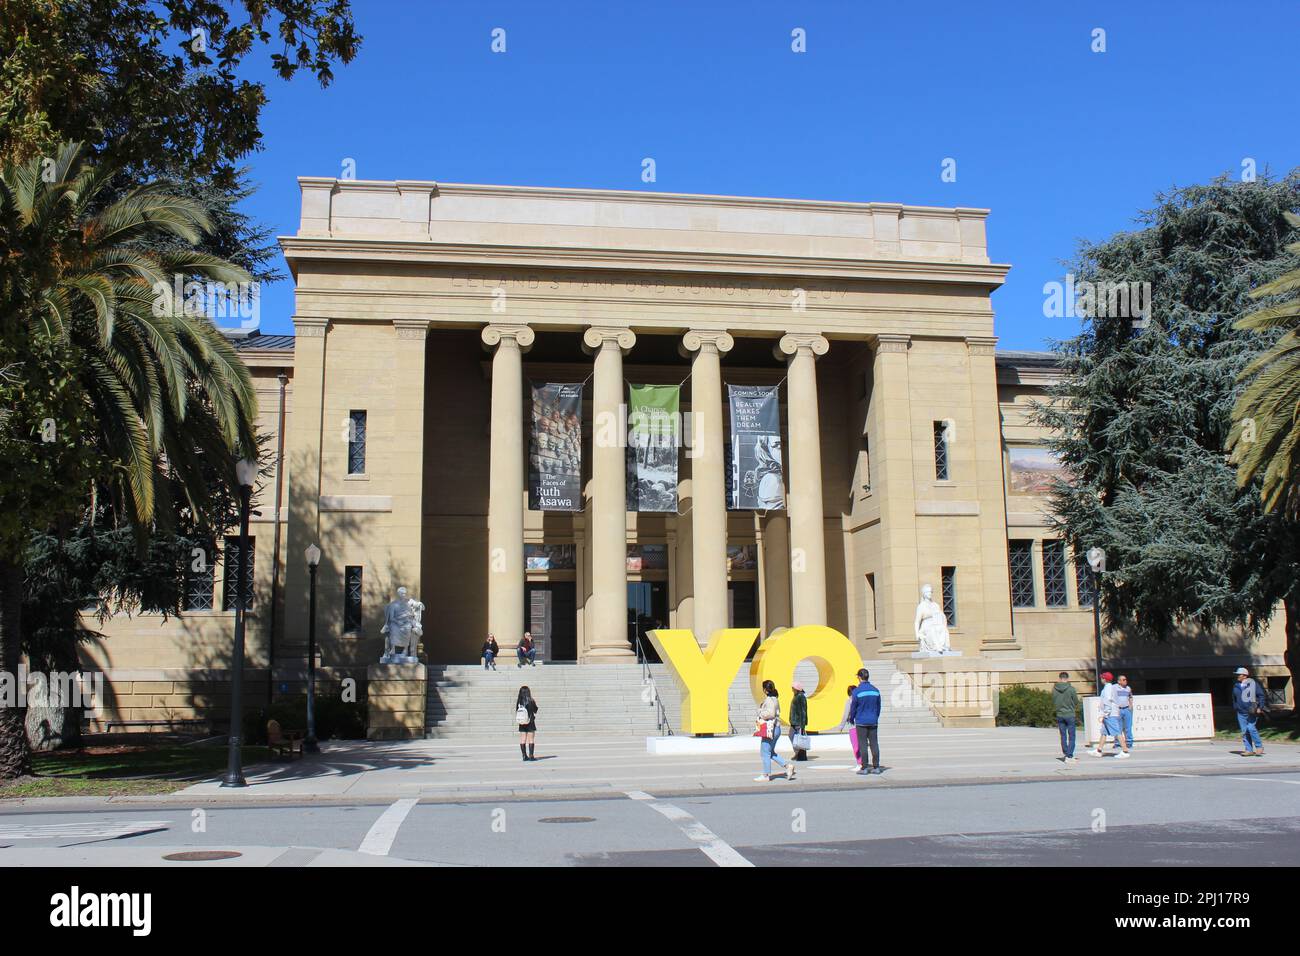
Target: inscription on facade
<point>756,290</point>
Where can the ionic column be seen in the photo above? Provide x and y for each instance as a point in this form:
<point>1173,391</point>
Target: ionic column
<point>607,616</point>
<point>506,482</point>
<point>708,505</point>
<point>804,494</point>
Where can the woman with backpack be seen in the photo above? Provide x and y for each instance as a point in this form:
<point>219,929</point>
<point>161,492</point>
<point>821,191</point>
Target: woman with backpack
<point>526,718</point>
<point>769,732</point>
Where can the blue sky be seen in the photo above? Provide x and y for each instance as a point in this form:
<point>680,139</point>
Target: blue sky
<point>1061,143</point>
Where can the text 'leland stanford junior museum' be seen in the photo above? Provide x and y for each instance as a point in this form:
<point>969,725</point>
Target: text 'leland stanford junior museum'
<point>590,413</point>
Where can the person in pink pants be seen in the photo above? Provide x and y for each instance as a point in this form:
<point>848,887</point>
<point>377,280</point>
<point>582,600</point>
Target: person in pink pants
<point>853,730</point>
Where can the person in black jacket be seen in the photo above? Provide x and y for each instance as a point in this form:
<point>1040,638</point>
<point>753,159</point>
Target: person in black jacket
<point>490,651</point>
<point>525,706</point>
<point>798,718</point>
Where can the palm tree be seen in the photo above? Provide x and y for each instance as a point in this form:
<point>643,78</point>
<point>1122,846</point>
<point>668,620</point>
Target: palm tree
<point>1265,439</point>
<point>143,387</point>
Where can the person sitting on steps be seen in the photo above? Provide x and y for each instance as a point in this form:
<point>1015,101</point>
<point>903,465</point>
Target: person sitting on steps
<point>527,651</point>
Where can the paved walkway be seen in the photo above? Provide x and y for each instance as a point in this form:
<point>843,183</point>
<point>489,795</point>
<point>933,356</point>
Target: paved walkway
<point>568,767</point>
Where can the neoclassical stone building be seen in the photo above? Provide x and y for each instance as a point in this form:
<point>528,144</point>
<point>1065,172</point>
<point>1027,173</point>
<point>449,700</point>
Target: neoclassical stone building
<point>426,313</point>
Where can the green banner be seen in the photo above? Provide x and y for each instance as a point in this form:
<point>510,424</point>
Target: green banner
<point>653,437</point>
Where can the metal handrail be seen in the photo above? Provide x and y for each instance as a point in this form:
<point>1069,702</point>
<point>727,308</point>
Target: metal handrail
<point>647,677</point>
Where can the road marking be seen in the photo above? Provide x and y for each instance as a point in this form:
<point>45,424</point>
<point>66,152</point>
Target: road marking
<point>713,846</point>
<point>1294,783</point>
<point>1188,775</point>
<point>79,831</point>
<point>381,836</point>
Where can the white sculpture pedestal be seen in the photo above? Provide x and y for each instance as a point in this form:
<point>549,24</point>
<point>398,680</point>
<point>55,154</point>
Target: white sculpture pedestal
<point>928,654</point>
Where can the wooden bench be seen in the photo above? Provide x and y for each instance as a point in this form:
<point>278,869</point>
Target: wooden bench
<point>283,743</point>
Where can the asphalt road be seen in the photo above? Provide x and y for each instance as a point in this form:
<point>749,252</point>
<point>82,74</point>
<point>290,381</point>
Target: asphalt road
<point>1179,819</point>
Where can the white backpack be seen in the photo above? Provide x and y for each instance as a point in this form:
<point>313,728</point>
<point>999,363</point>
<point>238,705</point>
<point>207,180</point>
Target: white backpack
<point>521,715</point>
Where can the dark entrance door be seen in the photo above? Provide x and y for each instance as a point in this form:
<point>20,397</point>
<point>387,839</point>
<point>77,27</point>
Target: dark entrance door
<point>742,607</point>
<point>551,613</point>
<point>647,609</point>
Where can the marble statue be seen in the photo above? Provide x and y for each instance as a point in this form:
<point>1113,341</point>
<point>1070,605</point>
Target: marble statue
<point>931,627</point>
<point>402,629</point>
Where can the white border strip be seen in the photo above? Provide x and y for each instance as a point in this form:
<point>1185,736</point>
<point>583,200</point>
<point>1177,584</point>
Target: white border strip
<point>384,831</point>
<point>710,844</point>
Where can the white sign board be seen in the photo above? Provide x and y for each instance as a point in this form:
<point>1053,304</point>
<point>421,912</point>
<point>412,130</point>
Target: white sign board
<point>1159,717</point>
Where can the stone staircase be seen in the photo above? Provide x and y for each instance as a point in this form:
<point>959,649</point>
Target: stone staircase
<point>604,699</point>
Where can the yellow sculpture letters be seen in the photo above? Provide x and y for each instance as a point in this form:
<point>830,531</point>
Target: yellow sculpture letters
<point>704,677</point>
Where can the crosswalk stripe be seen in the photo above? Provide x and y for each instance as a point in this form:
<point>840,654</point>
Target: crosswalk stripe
<point>384,831</point>
<point>710,844</point>
<point>65,831</point>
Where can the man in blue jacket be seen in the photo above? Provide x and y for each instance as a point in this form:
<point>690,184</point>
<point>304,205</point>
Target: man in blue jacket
<point>865,714</point>
<point>1249,700</point>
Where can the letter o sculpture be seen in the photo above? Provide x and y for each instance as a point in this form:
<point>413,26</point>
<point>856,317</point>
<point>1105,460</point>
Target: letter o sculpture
<point>837,663</point>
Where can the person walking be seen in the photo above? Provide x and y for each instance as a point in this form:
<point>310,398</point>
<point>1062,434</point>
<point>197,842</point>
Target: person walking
<point>1065,701</point>
<point>865,714</point>
<point>1249,701</point>
<point>526,652</point>
<point>526,717</point>
<point>490,651</point>
<point>798,719</point>
<point>769,732</point>
<point>845,718</point>
<point>1124,701</point>
<point>1109,711</point>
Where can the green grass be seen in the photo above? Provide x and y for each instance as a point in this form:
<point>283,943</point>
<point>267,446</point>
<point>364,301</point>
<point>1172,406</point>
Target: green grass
<point>122,771</point>
<point>1280,725</point>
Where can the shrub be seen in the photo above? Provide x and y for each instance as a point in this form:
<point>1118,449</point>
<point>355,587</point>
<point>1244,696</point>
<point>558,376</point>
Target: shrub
<point>1021,706</point>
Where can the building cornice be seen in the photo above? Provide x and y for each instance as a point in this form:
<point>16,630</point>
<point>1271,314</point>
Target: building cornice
<point>424,252</point>
<point>495,191</point>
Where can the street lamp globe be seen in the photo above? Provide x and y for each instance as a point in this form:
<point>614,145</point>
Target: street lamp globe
<point>313,555</point>
<point>246,472</point>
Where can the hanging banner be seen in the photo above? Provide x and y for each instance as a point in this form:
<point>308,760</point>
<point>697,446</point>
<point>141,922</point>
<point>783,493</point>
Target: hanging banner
<point>652,441</point>
<point>757,478</point>
<point>555,451</point>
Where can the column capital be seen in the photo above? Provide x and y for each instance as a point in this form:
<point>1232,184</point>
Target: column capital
<point>792,343</point>
<point>698,339</point>
<point>520,335</point>
<point>600,336</point>
<point>416,329</point>
<point>893,342</point>
<point>981,344</point>
<point>310,328</point>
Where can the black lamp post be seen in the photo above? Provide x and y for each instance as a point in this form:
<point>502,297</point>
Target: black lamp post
<point>246,474</point>
<point>1096,565</point>
<point>310,744</point>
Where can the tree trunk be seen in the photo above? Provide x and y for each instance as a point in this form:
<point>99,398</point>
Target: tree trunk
<point>1292,604</point>
<point>15,756</point>
<point>51,727</point>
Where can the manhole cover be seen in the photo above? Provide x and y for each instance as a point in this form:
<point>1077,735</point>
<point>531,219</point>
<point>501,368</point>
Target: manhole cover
<point>567,820</point>
<point>202,856</point>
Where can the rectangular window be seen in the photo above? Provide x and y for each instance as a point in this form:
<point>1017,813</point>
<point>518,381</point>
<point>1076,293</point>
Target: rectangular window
<point>1083,582</point>
<point>1020,557</point>
<point>871,602</point>
<point>941,451</point>
<point>200,584</point>
<point>352,598</point>
<point>1054,588</point>
<point>356,442</point>
<point>235,566</point>
<point>950,595</point>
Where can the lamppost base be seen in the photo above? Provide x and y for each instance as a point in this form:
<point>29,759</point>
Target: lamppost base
<point>234,780</point>
<point>311,746</point>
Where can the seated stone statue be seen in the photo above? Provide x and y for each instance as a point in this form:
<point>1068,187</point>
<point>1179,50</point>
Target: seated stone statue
<point>402,629</point>
<point>931,626</point>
